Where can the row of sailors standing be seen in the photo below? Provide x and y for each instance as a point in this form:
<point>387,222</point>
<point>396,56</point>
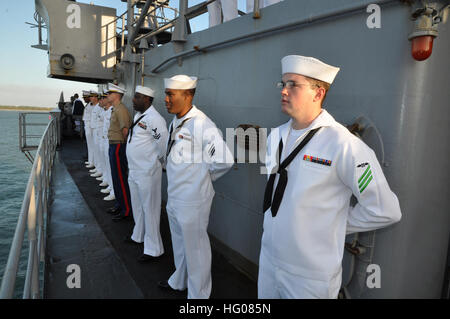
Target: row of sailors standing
<point>138,150</point>
<point>96,117</point>
<point>314,153</point>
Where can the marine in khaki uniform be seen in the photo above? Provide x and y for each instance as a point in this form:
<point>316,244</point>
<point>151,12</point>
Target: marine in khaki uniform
<point>117,134</point>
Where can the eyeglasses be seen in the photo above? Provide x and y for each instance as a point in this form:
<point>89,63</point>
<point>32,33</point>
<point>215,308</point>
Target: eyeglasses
<point>289,84</point>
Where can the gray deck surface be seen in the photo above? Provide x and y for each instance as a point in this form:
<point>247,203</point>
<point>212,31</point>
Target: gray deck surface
<point>82,233</point>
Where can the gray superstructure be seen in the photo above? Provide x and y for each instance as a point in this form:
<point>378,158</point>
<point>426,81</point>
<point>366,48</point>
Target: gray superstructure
<point>400,106</point>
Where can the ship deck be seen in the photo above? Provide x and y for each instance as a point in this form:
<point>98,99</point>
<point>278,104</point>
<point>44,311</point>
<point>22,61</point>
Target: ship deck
<point>80,232</point>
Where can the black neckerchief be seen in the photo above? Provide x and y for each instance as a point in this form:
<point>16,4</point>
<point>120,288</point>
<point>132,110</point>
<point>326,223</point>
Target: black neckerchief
<point>132,126</point>
<point>282,182</point>
<point>171,139</point>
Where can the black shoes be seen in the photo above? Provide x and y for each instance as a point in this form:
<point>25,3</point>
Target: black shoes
<point>164,284</point>
<point>128,240</point>
<point>119,217</point>
<point>113,210</point>
<point>144,258</point>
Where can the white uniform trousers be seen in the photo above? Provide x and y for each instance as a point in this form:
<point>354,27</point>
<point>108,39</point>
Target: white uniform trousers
<point>94,147</point>
<point>145,193</point>
<point>97,158</point>
<point>228,7</point>
<point>88,133</point>
<point>101,148</point>
<point>107,167</point>
<point>276,283</point>
<point>191,248</point>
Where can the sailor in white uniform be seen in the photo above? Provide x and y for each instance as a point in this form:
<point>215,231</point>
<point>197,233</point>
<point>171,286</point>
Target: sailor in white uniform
<point>107,178</point>
<point>146,148</point>
<point>87,128</point>
<point>196,156</point>
<point>99,122</point>
<point>307,198</point>
<point>95,126</point>
<point>227,7</point>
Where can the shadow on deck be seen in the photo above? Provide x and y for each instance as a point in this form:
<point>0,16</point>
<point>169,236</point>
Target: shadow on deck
<point>82,233</point>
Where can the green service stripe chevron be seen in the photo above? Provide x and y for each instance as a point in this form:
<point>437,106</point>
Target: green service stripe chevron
<point>364,174</point>
<point>368,181</point>
<point>365,179</point>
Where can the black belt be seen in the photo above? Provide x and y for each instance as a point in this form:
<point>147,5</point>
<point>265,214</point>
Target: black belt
<point>116,142</point>
<point>282,182</point>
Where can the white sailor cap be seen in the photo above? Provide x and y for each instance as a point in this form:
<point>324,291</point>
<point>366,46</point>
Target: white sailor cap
<point>145,90</point>
<point>181,82</point>
<point>93,93</point>
<point>112,88</point>
<point>310,67</point>
<point>86,93</point>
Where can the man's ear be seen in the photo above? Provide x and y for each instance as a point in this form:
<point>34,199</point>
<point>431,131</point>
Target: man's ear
<point>320,93</point>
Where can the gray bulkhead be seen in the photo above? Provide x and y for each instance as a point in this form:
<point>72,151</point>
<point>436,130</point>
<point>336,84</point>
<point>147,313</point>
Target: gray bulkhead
<point>405,101</point>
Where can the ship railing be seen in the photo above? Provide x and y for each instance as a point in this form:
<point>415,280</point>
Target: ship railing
<point>154,12</point>
<point>180,21</point>
<point>28,141</point>
<point>162,22</point>
<point>31,218</point>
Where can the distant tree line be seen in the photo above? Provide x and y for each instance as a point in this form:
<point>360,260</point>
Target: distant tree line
<point>25,108</point>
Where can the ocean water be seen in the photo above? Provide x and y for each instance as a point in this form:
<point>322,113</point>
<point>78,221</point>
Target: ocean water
<point>14,173</point>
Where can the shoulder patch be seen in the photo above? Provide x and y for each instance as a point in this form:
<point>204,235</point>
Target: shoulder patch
<point>366,177</point>
<point>156,135</point>
<point>212,150</point>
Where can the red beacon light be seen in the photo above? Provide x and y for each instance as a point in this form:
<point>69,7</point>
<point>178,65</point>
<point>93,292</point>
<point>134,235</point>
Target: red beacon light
<point>425,30</point>
<point>422,47</point>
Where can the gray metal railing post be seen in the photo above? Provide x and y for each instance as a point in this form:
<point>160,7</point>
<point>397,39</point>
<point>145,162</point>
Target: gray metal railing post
<point>56,113</point>
<point>20,130</point>
<point>179,32</point>
<point>24,129</point>
<point>256,10</point>
<point>130,19</point>
<point>122,41</point>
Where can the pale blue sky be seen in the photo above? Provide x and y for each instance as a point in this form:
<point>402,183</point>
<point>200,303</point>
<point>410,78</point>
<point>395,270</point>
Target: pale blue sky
<point>23,69</point>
